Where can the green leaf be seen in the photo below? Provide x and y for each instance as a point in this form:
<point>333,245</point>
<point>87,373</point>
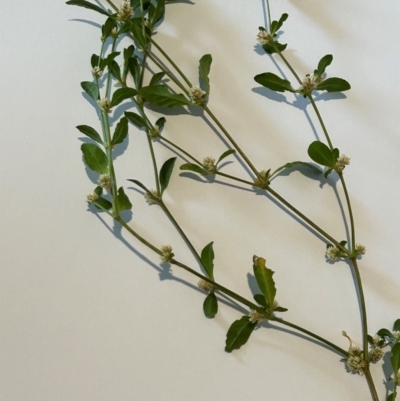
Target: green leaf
<point>385,333</point>
<point>128,53</point>
<point>193,167</point>
<point>265,280</point>
<point>107,61</point>
<point>139,184</point>
<point>210,305</point>
<point>160,123</point>
<point>207,260</point>
<point>321,154</point>
<point>204,71</point>
<point>137,32</point>
<point>121,132</point>
<point>156,12</point>
<point>103,203</point>
<point>239,333</point>
<point>90,132</point>
<point>260,299</point>
<point>123,201</point>
<point>94,60</point>
<point>396,326</point>
<point>295,164</point>
<point>115,70</point>
<point>121,94</point>
<point>334,85</point>
<point>391,397</point>
<point>226,154</point>
<point>86,4</point>
<point>327,172</point>
<point>98,190</point>
<point>271,50</point>
<point>323,63</point>
<point>275,25</point>
<point>91,89</point>
<point>395,358</point>
<point>165,173</point>
<point>280,309</point>
<point>160,95</point>
<point>156,78</point>
<point>135,70</point>
<point>95,158</point>
<point>273,82</point>
<point>136,119</point>
<point>108,26</point>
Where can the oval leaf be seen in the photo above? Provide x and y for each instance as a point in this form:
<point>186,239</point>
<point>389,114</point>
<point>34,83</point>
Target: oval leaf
<point>275,25</point>
<point>160,95</point>
<point>396,326</point>
<point>86,4</point>
<point>323,63</point>
<point>207,260</point>
<point>123,201</point>
<point>91,89</point>
<point>137,32</point>
<point>90,132</point>
<point>121,94</point>
<point>321,154</point>
<point>165,173</point>
<point>193,167</point>
<point>273,82</point>
<point>226,154</point>
<point>334,85</point>
<point>102,203</point>
<point>385,333</point>
<point>156,78</point>
<point>239,333</point>
<point>139,184</point>
<point>204,71</point>
<point>297,164</point>
<point>121,132</point>
<point>271,49</point>
<point>95,158</point>
<point>135,70</point>
<point>395,358</point>
<point>210,305</point>
<point>260,299</point>
<point>136,119</point>
<point>265,280</point>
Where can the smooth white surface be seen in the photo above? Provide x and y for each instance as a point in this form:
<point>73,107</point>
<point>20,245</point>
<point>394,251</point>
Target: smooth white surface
<point>91,316</point>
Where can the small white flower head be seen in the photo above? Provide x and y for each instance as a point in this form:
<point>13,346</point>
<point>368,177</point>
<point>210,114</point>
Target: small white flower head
<point>97,72</point>
<point>356,364</point>
<point>397,378</point>
<point>396,336</point>
<point>197,95</point>
<point>263,180</point>
<point>205,285</point>
<point>209,164</point>
<point>275,304</point>
<point>114,33</point>
<point>376,354</point>
<point>342,162</point>
<point>361,249</point>
<point>376,340</point>
<point>90,198</point>
<point>152,197</point>
<point>167,254</point>
<point>310,83</point>
<point>105,104</point>
<point>154,133</point>
<point>125,11</point>
<point>105,181</point>
<point>256,317</point>
<point>264,37</point>
<point>333,252</point>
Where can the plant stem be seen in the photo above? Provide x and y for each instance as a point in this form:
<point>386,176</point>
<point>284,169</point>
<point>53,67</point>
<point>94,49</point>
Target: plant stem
<point>178,70</point>
<point>321,121</point>
<point>288,65</point>
<point>363,310</point>
<point>154,161</point>
<point>371,385</point>
<point>311,334</point>
<point>112,5</point>
<point>269,15</point>
<point>352,225</point>
<point>162,138</point>
<point>231,140</point>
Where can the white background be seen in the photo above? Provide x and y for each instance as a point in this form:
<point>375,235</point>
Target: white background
<point>87,312</point>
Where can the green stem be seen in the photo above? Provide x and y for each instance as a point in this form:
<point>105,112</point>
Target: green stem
<point>268,14</point>
<point>109,75</point>
<point>287,63</point>
<point>321,121</point>
<point>371,385</point>
<point>231,177</point>
<point>311,334</point>
<point>180,149</point>
<point>353,231</point>
<point>306,219</point>
<point>178,70</point>
<point>154,161</point>
<point>363,310</point>
<point>112,5</point>
<point>143,70</point>
<point>181,232</point>
<point>231,140</point>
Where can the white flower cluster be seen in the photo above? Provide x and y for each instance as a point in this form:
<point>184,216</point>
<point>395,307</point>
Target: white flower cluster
<point>152,197</point>
<point>105,104</point>
<point>209,164</point>
<point>342,162</point>
<point>167,254</point>
<point>264,37</point>
<point>361,249</point>
<point>256,317</point>
<point>310,83</point>
<point>263,180</point>
<point>125,11</point>
<point>105,181</point>
<point>196,94</point>
<point>90,198</point>
<point>333,252</point>
<point>97,71</point>
<point>205,285</point>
